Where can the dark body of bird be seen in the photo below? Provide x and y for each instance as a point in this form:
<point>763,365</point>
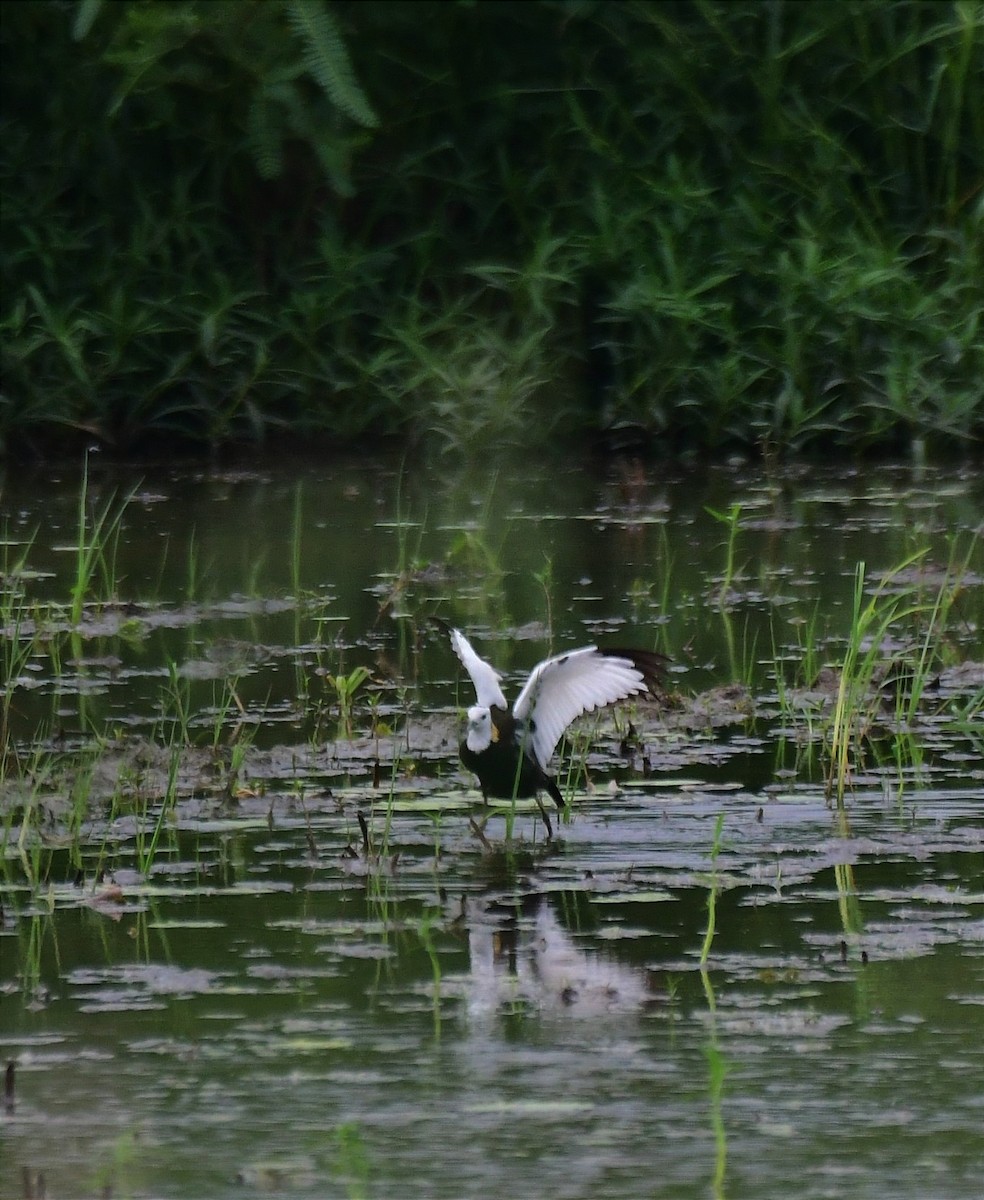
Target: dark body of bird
<point>506,768</point>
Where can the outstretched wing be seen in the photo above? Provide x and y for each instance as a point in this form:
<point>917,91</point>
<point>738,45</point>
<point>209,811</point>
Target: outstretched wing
<point>483,675</point>
<point>561,689</point>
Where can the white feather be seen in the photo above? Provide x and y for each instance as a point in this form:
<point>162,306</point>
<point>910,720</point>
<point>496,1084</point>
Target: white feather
<point>560,689</point>
<point>557,692</point>
<point>483,675</point>
<point>479,736</point>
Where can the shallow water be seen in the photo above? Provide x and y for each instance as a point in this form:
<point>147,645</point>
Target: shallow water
<point>275,1008</point>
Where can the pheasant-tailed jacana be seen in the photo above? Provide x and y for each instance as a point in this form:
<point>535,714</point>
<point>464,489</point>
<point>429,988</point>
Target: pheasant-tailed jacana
<point>509,751</point>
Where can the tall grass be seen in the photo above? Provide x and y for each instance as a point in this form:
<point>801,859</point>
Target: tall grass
<point>685,227</point>
<point>96,548</point>
<point>900,608</point>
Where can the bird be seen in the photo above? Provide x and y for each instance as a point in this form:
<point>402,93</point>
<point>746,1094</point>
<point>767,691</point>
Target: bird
<point>510,751</point>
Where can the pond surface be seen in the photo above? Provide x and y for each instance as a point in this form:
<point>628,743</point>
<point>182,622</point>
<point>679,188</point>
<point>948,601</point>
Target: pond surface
<point>252,943</point>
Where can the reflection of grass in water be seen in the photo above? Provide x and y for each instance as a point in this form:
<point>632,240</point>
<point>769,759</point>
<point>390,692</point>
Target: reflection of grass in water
<point>409,558</point>
<point>717,1064</point>
<point>424,928</point>
<point>712,894</point>
<point>113,1177</point>
<point>352,1160</point>
<point>717,1071</point>
<point>848,901</point>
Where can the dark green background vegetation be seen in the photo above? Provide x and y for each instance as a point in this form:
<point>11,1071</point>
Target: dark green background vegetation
<point>684,225</point>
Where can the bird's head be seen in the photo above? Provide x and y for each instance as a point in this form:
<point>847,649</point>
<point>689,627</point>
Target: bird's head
<point>481,732</point>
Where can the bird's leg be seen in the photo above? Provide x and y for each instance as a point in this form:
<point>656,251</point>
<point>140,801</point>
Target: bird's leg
<point>479,831</point>
<point>478,827</point>
<point>546,819</point>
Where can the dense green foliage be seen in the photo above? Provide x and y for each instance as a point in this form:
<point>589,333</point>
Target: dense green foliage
<point>695,224</point>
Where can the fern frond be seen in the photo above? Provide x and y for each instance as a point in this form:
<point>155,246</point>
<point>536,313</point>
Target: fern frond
<point>265,142</point>
<point>332,153</point>
<point>85,17</point>
<point>327,59</point>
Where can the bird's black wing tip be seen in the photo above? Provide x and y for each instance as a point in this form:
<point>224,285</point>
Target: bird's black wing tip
<point>649,663</point>
<point>553,791</point>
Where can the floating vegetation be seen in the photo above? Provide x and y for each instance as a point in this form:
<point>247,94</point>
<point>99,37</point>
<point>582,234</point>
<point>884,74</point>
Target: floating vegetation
<point>241,883</point>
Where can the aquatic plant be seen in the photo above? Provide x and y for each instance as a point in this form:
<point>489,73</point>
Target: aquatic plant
<point>146,848</point>
<point>175,710</point>
<point>97,546</point>
<point>345,687</point>
<point>545,578</point>
<point>18,645</point>
<point>731,521</point>
<point>34,859</point>
<point>893,603</point>
<point>40,929</point>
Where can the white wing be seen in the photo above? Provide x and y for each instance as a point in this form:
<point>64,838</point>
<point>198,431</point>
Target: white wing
<point>561,689</point>
<point>484,676</point>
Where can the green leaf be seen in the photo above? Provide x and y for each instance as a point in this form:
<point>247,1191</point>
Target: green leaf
<point>327,59</point>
